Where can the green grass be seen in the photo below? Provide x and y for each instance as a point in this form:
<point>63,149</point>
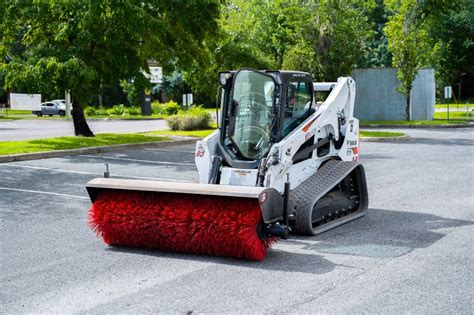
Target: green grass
<point>18,112</point>
<point>128,117</point>
<point>454,115</point>
<point>369,134</point>
<point>204,133</point>
<point>63,143</point>
<point>191,133</point>
<point>457,106</point>
<point>411,122</point>
<point>8,118</point>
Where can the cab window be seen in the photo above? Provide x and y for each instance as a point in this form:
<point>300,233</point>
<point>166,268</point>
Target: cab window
<point>298,105</point>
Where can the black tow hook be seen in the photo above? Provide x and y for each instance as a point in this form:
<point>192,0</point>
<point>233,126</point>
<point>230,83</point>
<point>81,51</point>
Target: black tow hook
<point>282,231</point>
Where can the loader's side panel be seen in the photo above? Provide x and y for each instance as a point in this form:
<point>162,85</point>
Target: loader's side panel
<point>350,149</point>
<point>205,150</point>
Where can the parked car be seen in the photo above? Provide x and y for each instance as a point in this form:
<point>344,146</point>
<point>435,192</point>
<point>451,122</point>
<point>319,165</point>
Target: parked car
<point>54,107</point>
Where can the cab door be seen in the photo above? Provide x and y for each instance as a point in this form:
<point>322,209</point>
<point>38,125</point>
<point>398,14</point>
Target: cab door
<point>297,104</point>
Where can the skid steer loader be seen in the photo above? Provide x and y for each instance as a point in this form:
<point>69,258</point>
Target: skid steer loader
<point>279,162</point>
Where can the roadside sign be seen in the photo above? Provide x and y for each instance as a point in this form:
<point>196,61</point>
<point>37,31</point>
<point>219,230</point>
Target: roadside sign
<point>155,75</point>
<point>25,101</point>
<point>187,99</point>
<point>448,92</point>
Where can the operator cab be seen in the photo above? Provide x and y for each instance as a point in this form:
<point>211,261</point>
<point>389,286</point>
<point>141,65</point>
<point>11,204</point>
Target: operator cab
<point>259,108</point>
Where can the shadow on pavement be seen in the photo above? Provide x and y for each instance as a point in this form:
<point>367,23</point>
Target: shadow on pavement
<point>277,260</point>
<point>382,234</point>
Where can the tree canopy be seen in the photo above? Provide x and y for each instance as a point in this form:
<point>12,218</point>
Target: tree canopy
<point>80,45</point>
<point>84,46</point>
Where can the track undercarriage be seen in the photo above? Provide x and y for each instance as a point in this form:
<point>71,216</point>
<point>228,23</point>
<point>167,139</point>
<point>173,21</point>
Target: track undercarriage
<point>335,195</point>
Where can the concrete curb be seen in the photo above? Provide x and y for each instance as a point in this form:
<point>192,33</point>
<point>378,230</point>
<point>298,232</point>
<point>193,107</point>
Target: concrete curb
<point>468,125</point>
<point>386,139</point>
<point>92,150</point>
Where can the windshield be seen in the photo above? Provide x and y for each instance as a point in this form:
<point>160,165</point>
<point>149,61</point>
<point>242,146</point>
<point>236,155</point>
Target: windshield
<point>252,113</point>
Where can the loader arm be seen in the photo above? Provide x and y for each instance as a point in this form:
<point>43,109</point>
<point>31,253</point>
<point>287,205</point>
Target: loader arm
<point>323,127</point>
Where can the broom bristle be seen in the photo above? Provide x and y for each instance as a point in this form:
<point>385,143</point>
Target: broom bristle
<point>211,225</point>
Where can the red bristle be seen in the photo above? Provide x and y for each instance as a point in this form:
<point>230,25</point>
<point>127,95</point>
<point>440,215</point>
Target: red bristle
<point>211,225</point>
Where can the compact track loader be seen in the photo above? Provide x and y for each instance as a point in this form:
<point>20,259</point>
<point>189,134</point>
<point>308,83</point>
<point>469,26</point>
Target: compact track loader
<point>279,163</point>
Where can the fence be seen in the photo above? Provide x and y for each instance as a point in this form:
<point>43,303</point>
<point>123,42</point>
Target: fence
<point>377,97</point>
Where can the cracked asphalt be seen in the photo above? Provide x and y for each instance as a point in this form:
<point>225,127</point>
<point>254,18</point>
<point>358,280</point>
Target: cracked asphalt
<point>413,253</point>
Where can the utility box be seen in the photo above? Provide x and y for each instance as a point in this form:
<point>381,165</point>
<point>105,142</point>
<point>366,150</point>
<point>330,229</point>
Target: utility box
<point>146,102</point>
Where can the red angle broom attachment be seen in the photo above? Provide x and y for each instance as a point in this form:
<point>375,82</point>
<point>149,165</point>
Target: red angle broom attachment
<point>211,225</point>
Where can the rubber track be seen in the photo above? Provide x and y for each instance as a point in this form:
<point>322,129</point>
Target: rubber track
<point>304,197</point>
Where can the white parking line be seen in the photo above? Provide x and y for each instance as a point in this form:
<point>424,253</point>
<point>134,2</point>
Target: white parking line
<point>88,173</point>
<point>136,160</point>
<point>44,193</point>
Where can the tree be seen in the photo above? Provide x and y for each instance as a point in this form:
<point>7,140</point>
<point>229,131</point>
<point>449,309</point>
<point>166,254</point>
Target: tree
<point>324,37</point>
<point>410,39</point>
<point>234,47</point>
<point>82,45</point>
<point>375,52</point>
<point>332,38</point>
<point>453,26</point>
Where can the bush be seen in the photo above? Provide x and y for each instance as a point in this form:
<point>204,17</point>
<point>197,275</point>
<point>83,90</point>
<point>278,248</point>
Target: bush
<point>195,118</point>
<point>170,108</point>
<point>90,111</point>
<point>133,111</point>
<point>117,110</point>
<point>101,111</point>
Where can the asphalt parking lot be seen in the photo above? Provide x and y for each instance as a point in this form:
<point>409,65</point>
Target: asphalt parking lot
<point>412,253</point>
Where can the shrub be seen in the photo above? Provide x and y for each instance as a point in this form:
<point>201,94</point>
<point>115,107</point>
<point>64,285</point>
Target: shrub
<point>195,118</point>
<point>170,108</point>
<point>90,111</point>
<point>133,111</point>
<point>117,110</point>
<point>101,111</point>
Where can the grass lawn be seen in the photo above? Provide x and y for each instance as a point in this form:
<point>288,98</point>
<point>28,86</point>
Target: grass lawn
<point>457,106</point>
<point>128,117</point>
<point>191,133</point>
<point>9,118</point>
<point>63,143</point>
<point>369,134</point>
<point>411,122</point>
<point>204,133</point>
<point>454,115</point>
<point>17,112</point>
